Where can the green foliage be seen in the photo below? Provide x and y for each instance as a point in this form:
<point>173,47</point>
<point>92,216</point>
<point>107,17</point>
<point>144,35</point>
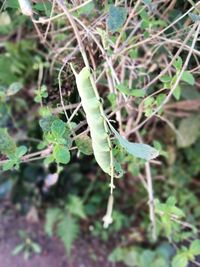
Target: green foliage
<point>75,207</point>
<point>17,64</point>
<point>189,131</point>
<point>151,103</point>
<point>40,94</point>
<point>52,216</point>
<point>65,221</point>
<point>184,255</point>
<point>61,154</point>
<point>130,92</point>
<point>84,144</point>
<point>117,17</point>
<point>168,214</point>
<point>137,257</point>
<point>187,77</point>
<point>56,133</point>
<point>67,230</point>
<point>137,150</point>
<point>28,246</point>
<point>15,159</point>
<point>7,145</point>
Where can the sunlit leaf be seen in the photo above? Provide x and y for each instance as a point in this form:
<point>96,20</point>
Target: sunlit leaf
<point>142,151</point>
<point>116,18</point>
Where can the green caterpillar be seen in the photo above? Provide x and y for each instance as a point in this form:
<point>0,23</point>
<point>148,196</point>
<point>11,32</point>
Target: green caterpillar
<point>99,129</point>
<point>100,126</point>
<point>96,120</point>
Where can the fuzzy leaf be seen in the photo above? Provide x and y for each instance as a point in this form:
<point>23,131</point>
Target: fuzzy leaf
<point>36,248</point>
<point>13,88</point>
<point>189,130</point>
<point>75,207</point>
<point>178,63</point>
<point>116,18</point>
<point>52,216</point>
<point>188,78</point>
<point>46,122</point>
<point>58,128</point>
<point>68,230</point>
<point>195,247</point>
<point>19,248</point>
<point>84,144</point>
<point>180,260</point>
<point>21,151</point>
<point>7,145</point>
<point>61,154</point>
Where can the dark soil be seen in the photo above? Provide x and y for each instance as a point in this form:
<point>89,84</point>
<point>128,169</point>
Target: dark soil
<point>86,253</point>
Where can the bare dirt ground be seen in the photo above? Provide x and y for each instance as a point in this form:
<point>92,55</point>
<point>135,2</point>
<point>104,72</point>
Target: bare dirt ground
<point>87,253</point>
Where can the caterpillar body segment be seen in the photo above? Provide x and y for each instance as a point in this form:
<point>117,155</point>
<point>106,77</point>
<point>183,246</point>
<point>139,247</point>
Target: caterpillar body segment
<point>95,117</point>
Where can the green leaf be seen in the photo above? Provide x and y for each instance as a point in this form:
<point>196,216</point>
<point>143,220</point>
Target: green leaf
<point>14,88</point>
<point>36,248</point>
<point>180,260</point>
<point>8,165</point>
<point>116,18</point>
<point>195,247</point>
<point>123,88</point>
<point>194,17</point>
<point>75,207</point>
<point>118,254</point>
<point>7,145</point>
<point>19,248</point>
<point>84,144</point>
<point>61,154</point>
<point>178,212</point>
<point>46,122</point>
<point>5,19</point>
<point>189,131</point>
<point>21,151</point>
<point>142,151</point>
<point>137,92</point>
<point>58,128</point>
<point>130,92</point>
<point>178,63</point>
<point>131,257</point>
<point>52,216</point>
<point>165,79</point>
<point>188,78</point>
<point>87,9</point>
<point>68,230</point>
<point>177,92</point>
<point>171,201</point>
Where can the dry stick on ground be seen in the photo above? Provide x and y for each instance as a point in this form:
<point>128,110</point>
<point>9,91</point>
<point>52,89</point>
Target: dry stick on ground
<point>151,199</point>
<point>149,187</point>
<point>174,86</point>
<point>49,23</point>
